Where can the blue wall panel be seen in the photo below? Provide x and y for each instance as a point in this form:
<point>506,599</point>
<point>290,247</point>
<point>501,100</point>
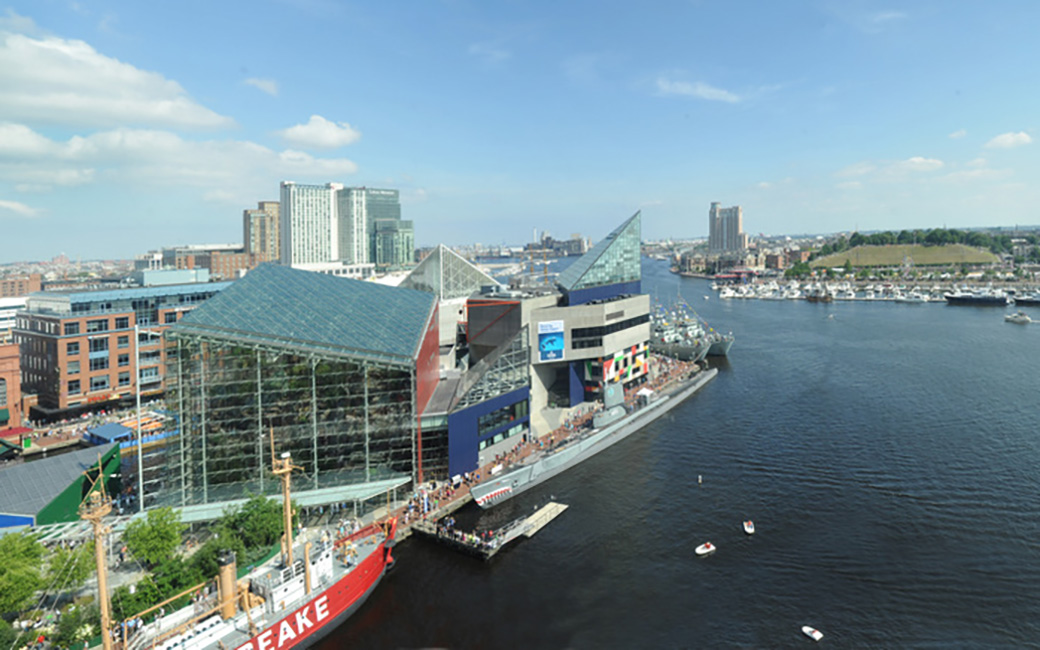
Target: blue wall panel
<point>7,521</point>
<point>463,437</point>
<point>577,386</point>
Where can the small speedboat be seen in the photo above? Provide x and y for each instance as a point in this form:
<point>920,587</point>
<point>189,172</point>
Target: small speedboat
<point>812,633</point>
<point>1019,317</point>
<point>749,527</point>
<point>707,548</point>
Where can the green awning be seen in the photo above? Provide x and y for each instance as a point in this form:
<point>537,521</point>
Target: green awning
<point>4,416</point>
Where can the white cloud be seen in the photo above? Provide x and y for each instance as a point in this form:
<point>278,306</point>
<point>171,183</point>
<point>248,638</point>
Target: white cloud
<point>850,185</point>
<point>269,86</point>
<point>16,209</point>
<point>977,162</point>
<point>883,17</point>
<point>976,174</point>
<point>696,89</point>
<point>857,169</point>
<point>319,133</point>
<point>1009,140</point>
<point>959,133</point>
<point>49,80</point>
<point>489,53</point>
<point>918,164</point>
<point>149,157</point>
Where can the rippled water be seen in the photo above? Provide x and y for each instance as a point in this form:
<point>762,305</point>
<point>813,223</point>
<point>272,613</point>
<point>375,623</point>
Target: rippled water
<point>887,453</point>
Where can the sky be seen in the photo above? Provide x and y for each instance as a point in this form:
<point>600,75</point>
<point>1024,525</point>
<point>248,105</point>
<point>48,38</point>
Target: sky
<point>126,126</point>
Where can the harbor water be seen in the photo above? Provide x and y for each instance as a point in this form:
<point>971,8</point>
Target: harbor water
<point>886,452</point>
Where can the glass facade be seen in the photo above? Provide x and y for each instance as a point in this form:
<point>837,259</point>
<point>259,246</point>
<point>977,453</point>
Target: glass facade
<point>614,260</point>
<point>345,421</point>
<point>448,275</point>
<point>501,372</point>
<point>393,243</point>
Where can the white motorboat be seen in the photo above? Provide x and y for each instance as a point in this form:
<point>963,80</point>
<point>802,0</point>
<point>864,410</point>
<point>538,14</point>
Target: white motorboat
<point>812,633</point>
<point>707,548</point>
<point>749,527</point>
<point>1019,317</point>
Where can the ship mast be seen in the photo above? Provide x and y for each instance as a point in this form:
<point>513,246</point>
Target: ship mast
<point>282,468</point>
<point>94,509</point>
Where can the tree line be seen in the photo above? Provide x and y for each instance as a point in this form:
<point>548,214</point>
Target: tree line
<point>996,244</point>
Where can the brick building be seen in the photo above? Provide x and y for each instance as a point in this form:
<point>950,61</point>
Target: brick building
<point>78,350</point>
<point>14,287</point>
<point>10,387</point>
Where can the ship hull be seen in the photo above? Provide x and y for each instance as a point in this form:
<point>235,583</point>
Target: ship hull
<point>683,352</point>
<point>517,481</point>
<point>720,348</point>
<point>977,301</point>
<point>325,612</point>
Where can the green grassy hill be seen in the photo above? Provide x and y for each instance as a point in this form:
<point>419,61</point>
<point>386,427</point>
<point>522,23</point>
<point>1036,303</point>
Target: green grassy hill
<point>865,256</point>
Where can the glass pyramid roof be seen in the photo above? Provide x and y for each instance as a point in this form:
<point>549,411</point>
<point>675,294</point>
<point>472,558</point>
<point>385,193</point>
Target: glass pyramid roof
<point>301,310</point>
<point>447,274</point>
<point>615,259</point>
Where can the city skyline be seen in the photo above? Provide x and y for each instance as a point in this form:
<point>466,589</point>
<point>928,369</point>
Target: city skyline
<point>125,128</point>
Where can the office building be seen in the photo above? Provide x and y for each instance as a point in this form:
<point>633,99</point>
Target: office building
<point>78,350</point>
<point>309,223</point>
<point>726,229</point>
<point>352,225</point>
<point>260,231</point>
<point>23,285</point>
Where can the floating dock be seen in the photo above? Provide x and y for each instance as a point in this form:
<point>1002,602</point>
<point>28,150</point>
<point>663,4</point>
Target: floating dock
<point>486,545</point>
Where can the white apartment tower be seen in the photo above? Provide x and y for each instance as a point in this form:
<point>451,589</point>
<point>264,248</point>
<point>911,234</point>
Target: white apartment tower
<point>309,223</point>
<point>726,229</point>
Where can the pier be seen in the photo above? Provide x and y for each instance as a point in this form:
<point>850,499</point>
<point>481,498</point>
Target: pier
<point>485,545</point>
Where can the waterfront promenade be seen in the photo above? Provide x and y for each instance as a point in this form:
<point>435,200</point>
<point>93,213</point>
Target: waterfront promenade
<point>437,499</point>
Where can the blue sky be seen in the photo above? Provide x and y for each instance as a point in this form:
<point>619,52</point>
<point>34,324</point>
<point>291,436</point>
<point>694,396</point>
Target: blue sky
<point>127,126</point>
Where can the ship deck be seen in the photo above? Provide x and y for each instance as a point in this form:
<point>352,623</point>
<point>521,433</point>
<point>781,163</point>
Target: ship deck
<point>199,625</point>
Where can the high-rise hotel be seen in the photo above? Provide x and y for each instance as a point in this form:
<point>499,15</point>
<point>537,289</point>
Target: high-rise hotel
<point>353,225</point>
<point>726,229</point>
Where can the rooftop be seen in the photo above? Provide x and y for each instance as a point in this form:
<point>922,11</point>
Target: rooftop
<point>26,488</point>
<point>288,308</point>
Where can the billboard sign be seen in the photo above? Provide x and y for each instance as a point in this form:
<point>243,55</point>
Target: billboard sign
<point>550,341</point>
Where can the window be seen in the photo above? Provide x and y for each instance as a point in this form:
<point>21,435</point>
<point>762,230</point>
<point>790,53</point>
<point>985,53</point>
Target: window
<point>72,348</point>
<point>100,363</point>
<point>99,345</point>
<point>99,325</point>
<point>72,368</point>
<point>71,328</point>
<point>124,342</point>
<point>122,322</point>
<point>3,392</point>
<point>171,317</point>
<point>99,383</point>
<point>124,360</point>
<point>74,387</point>
<point>124,379</point>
